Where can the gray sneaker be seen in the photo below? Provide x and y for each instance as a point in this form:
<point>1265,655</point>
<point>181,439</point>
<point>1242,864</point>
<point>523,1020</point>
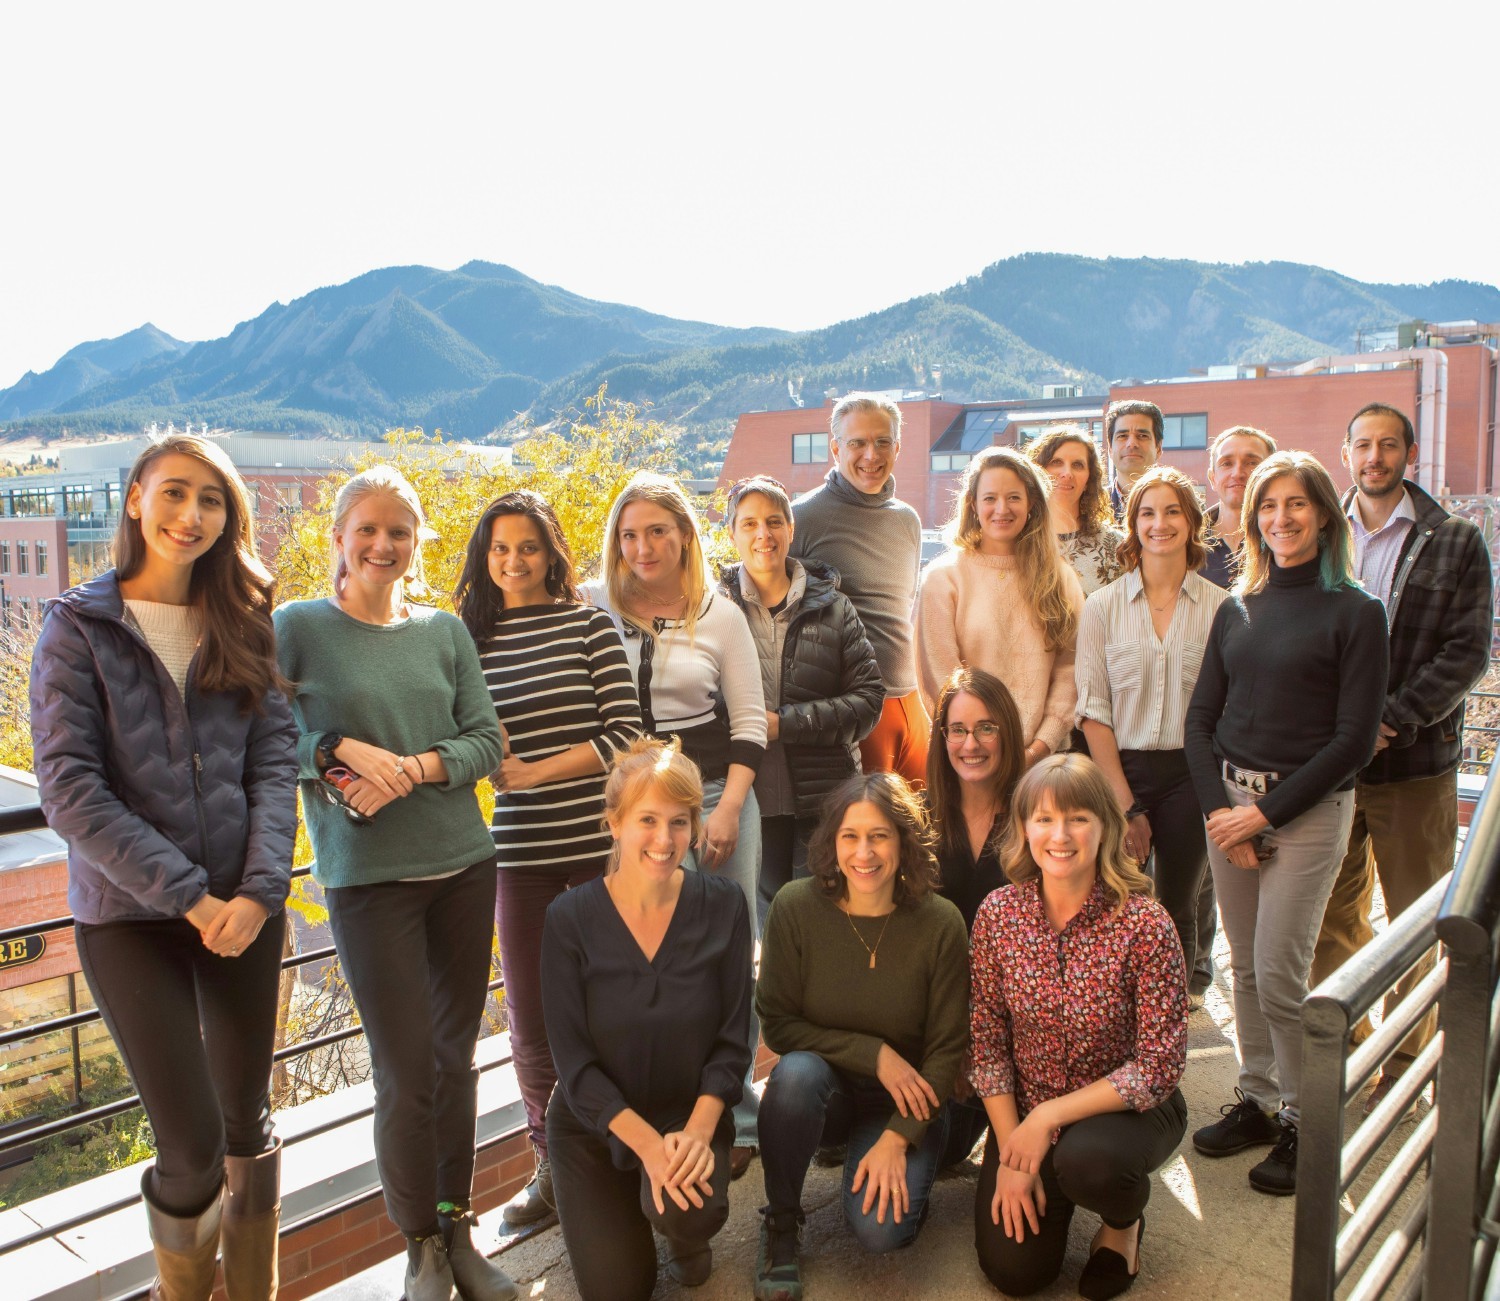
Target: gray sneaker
<point>535,1202</point>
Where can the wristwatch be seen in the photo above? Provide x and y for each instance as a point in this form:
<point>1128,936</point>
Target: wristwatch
<point>330,742</point>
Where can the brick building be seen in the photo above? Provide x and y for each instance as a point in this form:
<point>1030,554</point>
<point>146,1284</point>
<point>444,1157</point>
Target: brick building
<point>1446,381</point>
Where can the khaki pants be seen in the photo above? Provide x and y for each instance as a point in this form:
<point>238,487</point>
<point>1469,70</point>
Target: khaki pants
<point>1405,831</point>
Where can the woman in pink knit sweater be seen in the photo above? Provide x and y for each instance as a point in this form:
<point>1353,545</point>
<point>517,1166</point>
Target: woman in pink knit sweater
<point>1002,599</point>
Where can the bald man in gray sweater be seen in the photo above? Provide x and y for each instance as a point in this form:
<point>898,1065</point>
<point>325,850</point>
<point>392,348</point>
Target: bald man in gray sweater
<point>854,523</point>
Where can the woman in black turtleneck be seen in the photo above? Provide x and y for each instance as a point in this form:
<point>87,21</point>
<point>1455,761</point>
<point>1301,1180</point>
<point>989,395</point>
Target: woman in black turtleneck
<point>1285,713</point>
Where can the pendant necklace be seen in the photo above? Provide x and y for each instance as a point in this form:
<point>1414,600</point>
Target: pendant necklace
<point>861,938</point>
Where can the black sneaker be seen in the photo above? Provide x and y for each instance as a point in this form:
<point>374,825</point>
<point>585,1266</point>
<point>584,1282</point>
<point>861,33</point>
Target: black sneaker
<point>1243,1125</point>
<point>1277,1174</point>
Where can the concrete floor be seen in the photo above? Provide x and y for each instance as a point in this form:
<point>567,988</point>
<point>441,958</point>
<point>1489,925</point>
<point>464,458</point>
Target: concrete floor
<point>1211,1236</point>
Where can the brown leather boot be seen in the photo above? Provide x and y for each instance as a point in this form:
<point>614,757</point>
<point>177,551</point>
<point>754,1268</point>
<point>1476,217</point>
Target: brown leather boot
<point>186,1247</point>
<point>252,1215</point>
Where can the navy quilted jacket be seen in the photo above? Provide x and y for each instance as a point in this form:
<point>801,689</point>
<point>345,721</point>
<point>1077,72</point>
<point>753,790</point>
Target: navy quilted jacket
<point>161,800</point>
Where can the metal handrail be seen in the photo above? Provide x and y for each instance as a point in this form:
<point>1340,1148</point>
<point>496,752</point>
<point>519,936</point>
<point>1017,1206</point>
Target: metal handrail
<point>1451,1230</point>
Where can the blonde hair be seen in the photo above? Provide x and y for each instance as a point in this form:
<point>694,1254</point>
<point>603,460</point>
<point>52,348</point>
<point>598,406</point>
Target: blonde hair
<point>646,765</point>
<point>1335,543</point>
<point>390,481</point>
<point>655,490</point>
<point>1042,567</point>
<point>1075,783</point>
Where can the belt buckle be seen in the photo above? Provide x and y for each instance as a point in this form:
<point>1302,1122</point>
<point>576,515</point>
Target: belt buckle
<point>1254,782</point>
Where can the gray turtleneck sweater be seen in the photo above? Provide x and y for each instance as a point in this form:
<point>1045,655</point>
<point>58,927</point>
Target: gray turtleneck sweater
<point>875,544</point>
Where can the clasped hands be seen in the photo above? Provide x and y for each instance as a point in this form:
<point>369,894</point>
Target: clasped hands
<point>679,1167</point>
<point>1233,831</point>
<point>382,776</point>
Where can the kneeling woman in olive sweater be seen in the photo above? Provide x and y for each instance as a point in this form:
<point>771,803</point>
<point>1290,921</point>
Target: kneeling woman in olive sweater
<point>864,992</point>
<point>646,991</point>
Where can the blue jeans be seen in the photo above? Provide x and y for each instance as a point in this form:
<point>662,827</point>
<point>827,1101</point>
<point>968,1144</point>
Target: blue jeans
<point>743,868</point>
<point>809,1103</point>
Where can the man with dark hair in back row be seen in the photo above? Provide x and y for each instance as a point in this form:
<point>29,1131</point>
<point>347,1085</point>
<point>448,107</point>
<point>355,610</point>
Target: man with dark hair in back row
<point>1433,573</point>
<point>1133,432</point>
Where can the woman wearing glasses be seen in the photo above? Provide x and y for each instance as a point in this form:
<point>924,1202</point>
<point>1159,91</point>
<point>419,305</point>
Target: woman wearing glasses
<point>969,785</point>
<point>1140,646</point>
<point>1003,600</point>
<point>821,682</point>
<point>391,692</point>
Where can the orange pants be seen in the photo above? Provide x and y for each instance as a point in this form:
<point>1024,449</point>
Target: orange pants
<point>900,739</point>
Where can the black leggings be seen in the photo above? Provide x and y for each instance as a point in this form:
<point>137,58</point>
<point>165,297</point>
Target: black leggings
<point>416,955</point>
<point>607,1214</point>
<point>1160,781</point>
<point>1102,1164</point>
<point>196,1032</point>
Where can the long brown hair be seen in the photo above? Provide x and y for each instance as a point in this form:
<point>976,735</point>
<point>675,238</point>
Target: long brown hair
<point>475,597</point>
<point>916,868</point>
<point>1164,476</point>
<point>1094,510</point>
<point>944,794</point>
<point>1042,568</point>
<point>1075,782</point>
<point>231,588</point>
<point>1335,543</point>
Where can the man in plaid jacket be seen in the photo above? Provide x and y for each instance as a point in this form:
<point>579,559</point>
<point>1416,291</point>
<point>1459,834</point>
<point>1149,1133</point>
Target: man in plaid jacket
<point>1433,573</point>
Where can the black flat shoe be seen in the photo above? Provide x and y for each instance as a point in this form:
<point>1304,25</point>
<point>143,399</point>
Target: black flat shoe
<point>1106,1274</point>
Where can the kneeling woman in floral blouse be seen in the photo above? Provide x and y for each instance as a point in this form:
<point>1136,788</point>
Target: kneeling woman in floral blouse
<point>1079,1020</point>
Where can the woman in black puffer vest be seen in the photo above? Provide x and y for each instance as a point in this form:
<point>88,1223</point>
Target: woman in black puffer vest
<point>822,684</point>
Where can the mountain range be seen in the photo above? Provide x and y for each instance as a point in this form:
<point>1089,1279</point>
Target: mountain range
<point>477,351</point>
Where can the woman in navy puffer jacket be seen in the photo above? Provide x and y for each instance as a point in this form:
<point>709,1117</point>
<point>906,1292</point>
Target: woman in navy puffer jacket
<point>166,756</point>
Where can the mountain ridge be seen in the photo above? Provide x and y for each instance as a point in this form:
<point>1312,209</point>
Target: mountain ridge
<point>482,349</point>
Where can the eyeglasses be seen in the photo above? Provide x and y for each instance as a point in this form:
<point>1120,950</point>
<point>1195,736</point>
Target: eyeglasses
<point>331,789</point>
<point>858,445</point>
<point>984,733</point>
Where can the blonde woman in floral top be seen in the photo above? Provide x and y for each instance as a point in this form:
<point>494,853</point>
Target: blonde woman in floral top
<point>1079,1026</point>
<point>1079,505</point>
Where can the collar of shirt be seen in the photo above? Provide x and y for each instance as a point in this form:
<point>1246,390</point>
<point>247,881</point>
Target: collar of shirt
<point>1404,514</point>
<point>1135,585</point>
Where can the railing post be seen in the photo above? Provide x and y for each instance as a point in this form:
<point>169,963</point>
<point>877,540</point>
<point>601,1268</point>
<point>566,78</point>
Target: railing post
<point>1454,1197</point>
<point>1320,1142</point>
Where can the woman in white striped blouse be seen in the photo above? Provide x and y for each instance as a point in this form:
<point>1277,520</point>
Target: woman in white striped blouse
<point>565,699</point>
<point>1140,645</point>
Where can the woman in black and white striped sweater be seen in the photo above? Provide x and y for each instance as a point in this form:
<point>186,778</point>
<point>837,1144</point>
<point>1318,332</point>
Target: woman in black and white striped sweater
<point>566,702</point>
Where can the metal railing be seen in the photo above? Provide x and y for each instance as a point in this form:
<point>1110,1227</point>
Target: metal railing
<point>30,818</point>
<point>1440,1244</point>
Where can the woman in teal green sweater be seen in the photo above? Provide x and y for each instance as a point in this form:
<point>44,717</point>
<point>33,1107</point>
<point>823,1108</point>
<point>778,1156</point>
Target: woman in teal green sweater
<point>396,729</point>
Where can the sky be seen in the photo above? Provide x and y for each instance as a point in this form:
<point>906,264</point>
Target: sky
<point>785,164</point>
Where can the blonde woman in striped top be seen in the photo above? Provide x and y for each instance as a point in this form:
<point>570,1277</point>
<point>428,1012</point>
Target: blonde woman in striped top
<point>565,699</point>
<point>1140,645</point>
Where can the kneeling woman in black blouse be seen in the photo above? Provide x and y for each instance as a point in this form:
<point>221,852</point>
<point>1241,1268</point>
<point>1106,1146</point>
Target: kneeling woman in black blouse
<point>646,990</point>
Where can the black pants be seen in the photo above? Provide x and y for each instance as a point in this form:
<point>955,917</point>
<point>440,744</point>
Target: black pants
<point>607,1214</point>
<point>1159,779</point>
<point>196,1032</point>
<point>1102,1164</point>
<point>783,857</point>
<point>416,955</point>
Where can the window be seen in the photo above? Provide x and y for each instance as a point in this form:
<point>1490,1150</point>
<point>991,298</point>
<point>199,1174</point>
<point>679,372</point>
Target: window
<point>23,558</point>
<point>41,558</point>
<point>1184,431</point>
<point>4,557</point>
<point>809,449</point>
<point>949,462</point>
